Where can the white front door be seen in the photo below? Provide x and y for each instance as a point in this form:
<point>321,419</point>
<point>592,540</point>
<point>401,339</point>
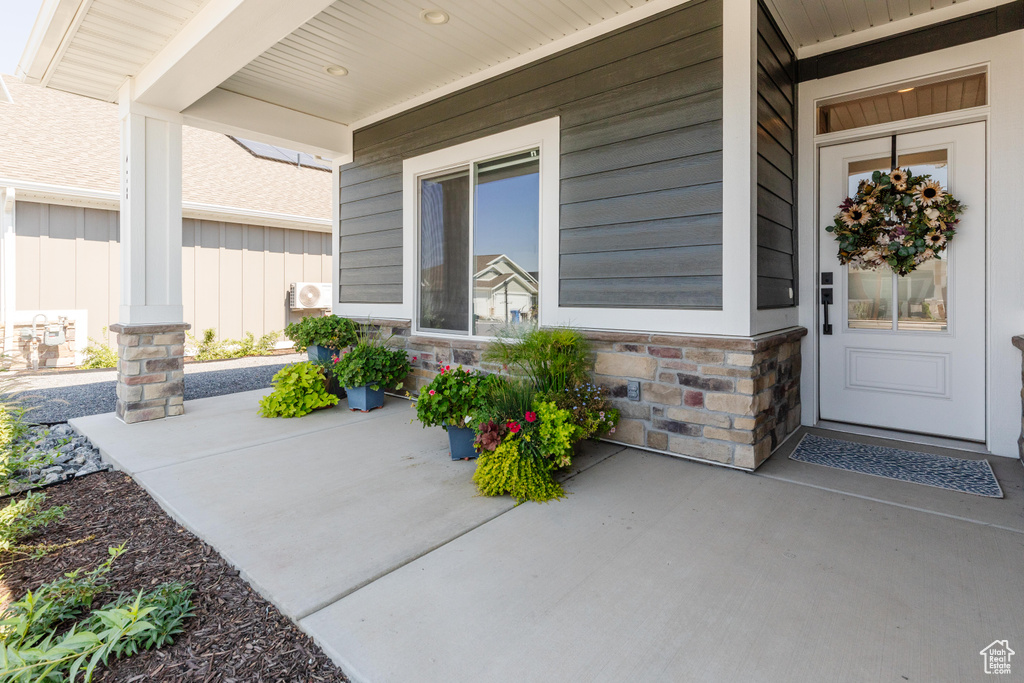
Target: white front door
<point>907,353</point>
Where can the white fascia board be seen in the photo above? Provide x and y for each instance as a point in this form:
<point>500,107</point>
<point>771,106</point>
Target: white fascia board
<point>44,193</point>
<point>217,42</point>
<point>50,33</point>
<point>223,111</point>
<point>892,28</point>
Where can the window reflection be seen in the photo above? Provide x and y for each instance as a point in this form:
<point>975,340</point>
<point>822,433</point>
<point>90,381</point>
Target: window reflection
<point>506,242</point>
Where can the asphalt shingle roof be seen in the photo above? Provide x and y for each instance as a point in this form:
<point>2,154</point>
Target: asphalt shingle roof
<point>48,136</point>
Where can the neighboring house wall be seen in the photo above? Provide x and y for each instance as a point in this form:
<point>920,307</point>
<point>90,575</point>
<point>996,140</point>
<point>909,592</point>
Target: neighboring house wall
<point>776,170</point>
<point>235,277</point>
<point>641,165</point>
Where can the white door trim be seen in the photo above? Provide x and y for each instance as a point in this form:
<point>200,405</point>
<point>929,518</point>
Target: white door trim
<point>1005,206</point>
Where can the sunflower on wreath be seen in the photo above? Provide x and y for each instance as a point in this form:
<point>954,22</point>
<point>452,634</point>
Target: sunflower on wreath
<point>895,219</point>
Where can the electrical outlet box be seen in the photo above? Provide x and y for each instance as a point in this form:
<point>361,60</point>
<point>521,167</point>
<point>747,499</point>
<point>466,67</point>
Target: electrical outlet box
<point>633,390</point>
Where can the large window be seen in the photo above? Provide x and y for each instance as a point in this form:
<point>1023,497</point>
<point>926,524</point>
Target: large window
<point>479,245</point>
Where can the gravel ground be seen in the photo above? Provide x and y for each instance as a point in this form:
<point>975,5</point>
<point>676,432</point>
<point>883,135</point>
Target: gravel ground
<point>234,634</point>
<point>60,396</point>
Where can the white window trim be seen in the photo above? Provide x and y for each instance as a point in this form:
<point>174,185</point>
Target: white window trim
<point>543,135</point>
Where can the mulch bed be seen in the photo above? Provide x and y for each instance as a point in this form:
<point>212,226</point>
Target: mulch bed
<point>235,634</point>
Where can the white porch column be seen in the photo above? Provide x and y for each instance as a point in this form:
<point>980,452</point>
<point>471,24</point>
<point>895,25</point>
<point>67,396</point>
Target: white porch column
<point>150,214</point>
<point>151,330</point>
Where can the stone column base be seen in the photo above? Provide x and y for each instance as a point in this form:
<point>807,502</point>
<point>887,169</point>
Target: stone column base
<point>150,371</point>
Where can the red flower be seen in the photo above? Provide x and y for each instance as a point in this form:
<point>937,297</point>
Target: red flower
<point>431,392</point>
<point>336,359</point>
<point>414,359</point>
<point>513,427</point>
<point>531,417</point>
<point>447,367</point>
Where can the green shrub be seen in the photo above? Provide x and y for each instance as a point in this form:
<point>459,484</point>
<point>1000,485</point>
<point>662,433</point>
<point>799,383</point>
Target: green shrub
<point>13,428</point>
<point>329,331</point>
<point>33,647</point>
<point>35,615</point>
<point>169,604</point>
<point>299,389</point>
<point>453,397</point>
<point>371,363</point>
<point>211,348</point>
<point>551,358</point>
<point>20,519</point>
<point>99,354</point>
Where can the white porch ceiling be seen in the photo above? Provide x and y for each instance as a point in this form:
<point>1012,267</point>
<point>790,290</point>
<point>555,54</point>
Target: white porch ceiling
<point>808,22</point>
<point>393,56</point>
<point>115,39</point>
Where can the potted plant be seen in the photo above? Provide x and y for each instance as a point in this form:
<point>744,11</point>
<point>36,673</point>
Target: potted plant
<point>321,337</point>
<point>367,369</point>
<point>451,401</point>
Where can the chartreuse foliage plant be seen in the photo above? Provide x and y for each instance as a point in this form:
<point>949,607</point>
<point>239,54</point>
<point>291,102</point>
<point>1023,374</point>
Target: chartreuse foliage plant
<point>299,389</point>
<point>509,471</point>
<point>329,331</point>
<point>452,398</point>
<point>518,456</point>
<point>37,646</point>
<point>531,419</point>
<point>371,363</point>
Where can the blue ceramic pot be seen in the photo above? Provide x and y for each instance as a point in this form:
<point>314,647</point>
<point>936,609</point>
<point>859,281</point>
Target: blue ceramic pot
<point>364,398</point>
<point>320,353</point>
<point>460,441</point>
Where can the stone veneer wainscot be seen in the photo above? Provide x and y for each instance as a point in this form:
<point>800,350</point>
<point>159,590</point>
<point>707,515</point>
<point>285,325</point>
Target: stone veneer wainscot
<point>725,400</point>
<point>150,371</point>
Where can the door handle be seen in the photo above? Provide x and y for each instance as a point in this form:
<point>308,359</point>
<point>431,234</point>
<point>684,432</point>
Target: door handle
<point>826,301</point>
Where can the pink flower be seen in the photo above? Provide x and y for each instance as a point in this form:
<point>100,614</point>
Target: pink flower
<point>431,392</point>
<point>531,417</point>
<point>612,430</point>
<point>513,427</point>
<point>336,359</point>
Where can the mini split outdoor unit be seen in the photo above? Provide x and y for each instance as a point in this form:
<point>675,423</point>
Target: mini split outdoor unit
<point>306,295</point>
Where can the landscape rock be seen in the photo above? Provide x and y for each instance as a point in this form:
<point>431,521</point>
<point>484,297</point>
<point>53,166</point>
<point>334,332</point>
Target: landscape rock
<point>52,454</point>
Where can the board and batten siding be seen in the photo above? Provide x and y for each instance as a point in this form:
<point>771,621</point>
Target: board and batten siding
<point>235,278</point>
<point>640,166</point>
<point>776,167</point>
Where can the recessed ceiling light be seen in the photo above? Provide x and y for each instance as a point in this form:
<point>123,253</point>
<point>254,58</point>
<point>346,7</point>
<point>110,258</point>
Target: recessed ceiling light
<point>434,16</point>
<point>905,90</point>
<point>336,70</point>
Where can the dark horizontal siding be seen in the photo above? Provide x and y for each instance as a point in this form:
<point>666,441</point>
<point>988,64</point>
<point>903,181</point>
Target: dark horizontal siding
<point>641,165</point>
<point>776,153</point>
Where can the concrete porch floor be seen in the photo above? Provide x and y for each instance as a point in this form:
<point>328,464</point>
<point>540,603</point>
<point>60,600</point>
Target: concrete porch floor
<point>362,530</point>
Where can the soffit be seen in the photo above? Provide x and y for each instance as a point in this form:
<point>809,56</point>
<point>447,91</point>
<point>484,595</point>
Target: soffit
<point>808,22</point>
<point>113,40</point>
<point>393,56</point>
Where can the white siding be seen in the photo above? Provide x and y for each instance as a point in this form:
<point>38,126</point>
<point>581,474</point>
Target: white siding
<point>235,277</point>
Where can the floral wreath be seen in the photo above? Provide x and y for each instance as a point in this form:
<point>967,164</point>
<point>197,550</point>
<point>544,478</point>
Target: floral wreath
<point>897,219</point>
